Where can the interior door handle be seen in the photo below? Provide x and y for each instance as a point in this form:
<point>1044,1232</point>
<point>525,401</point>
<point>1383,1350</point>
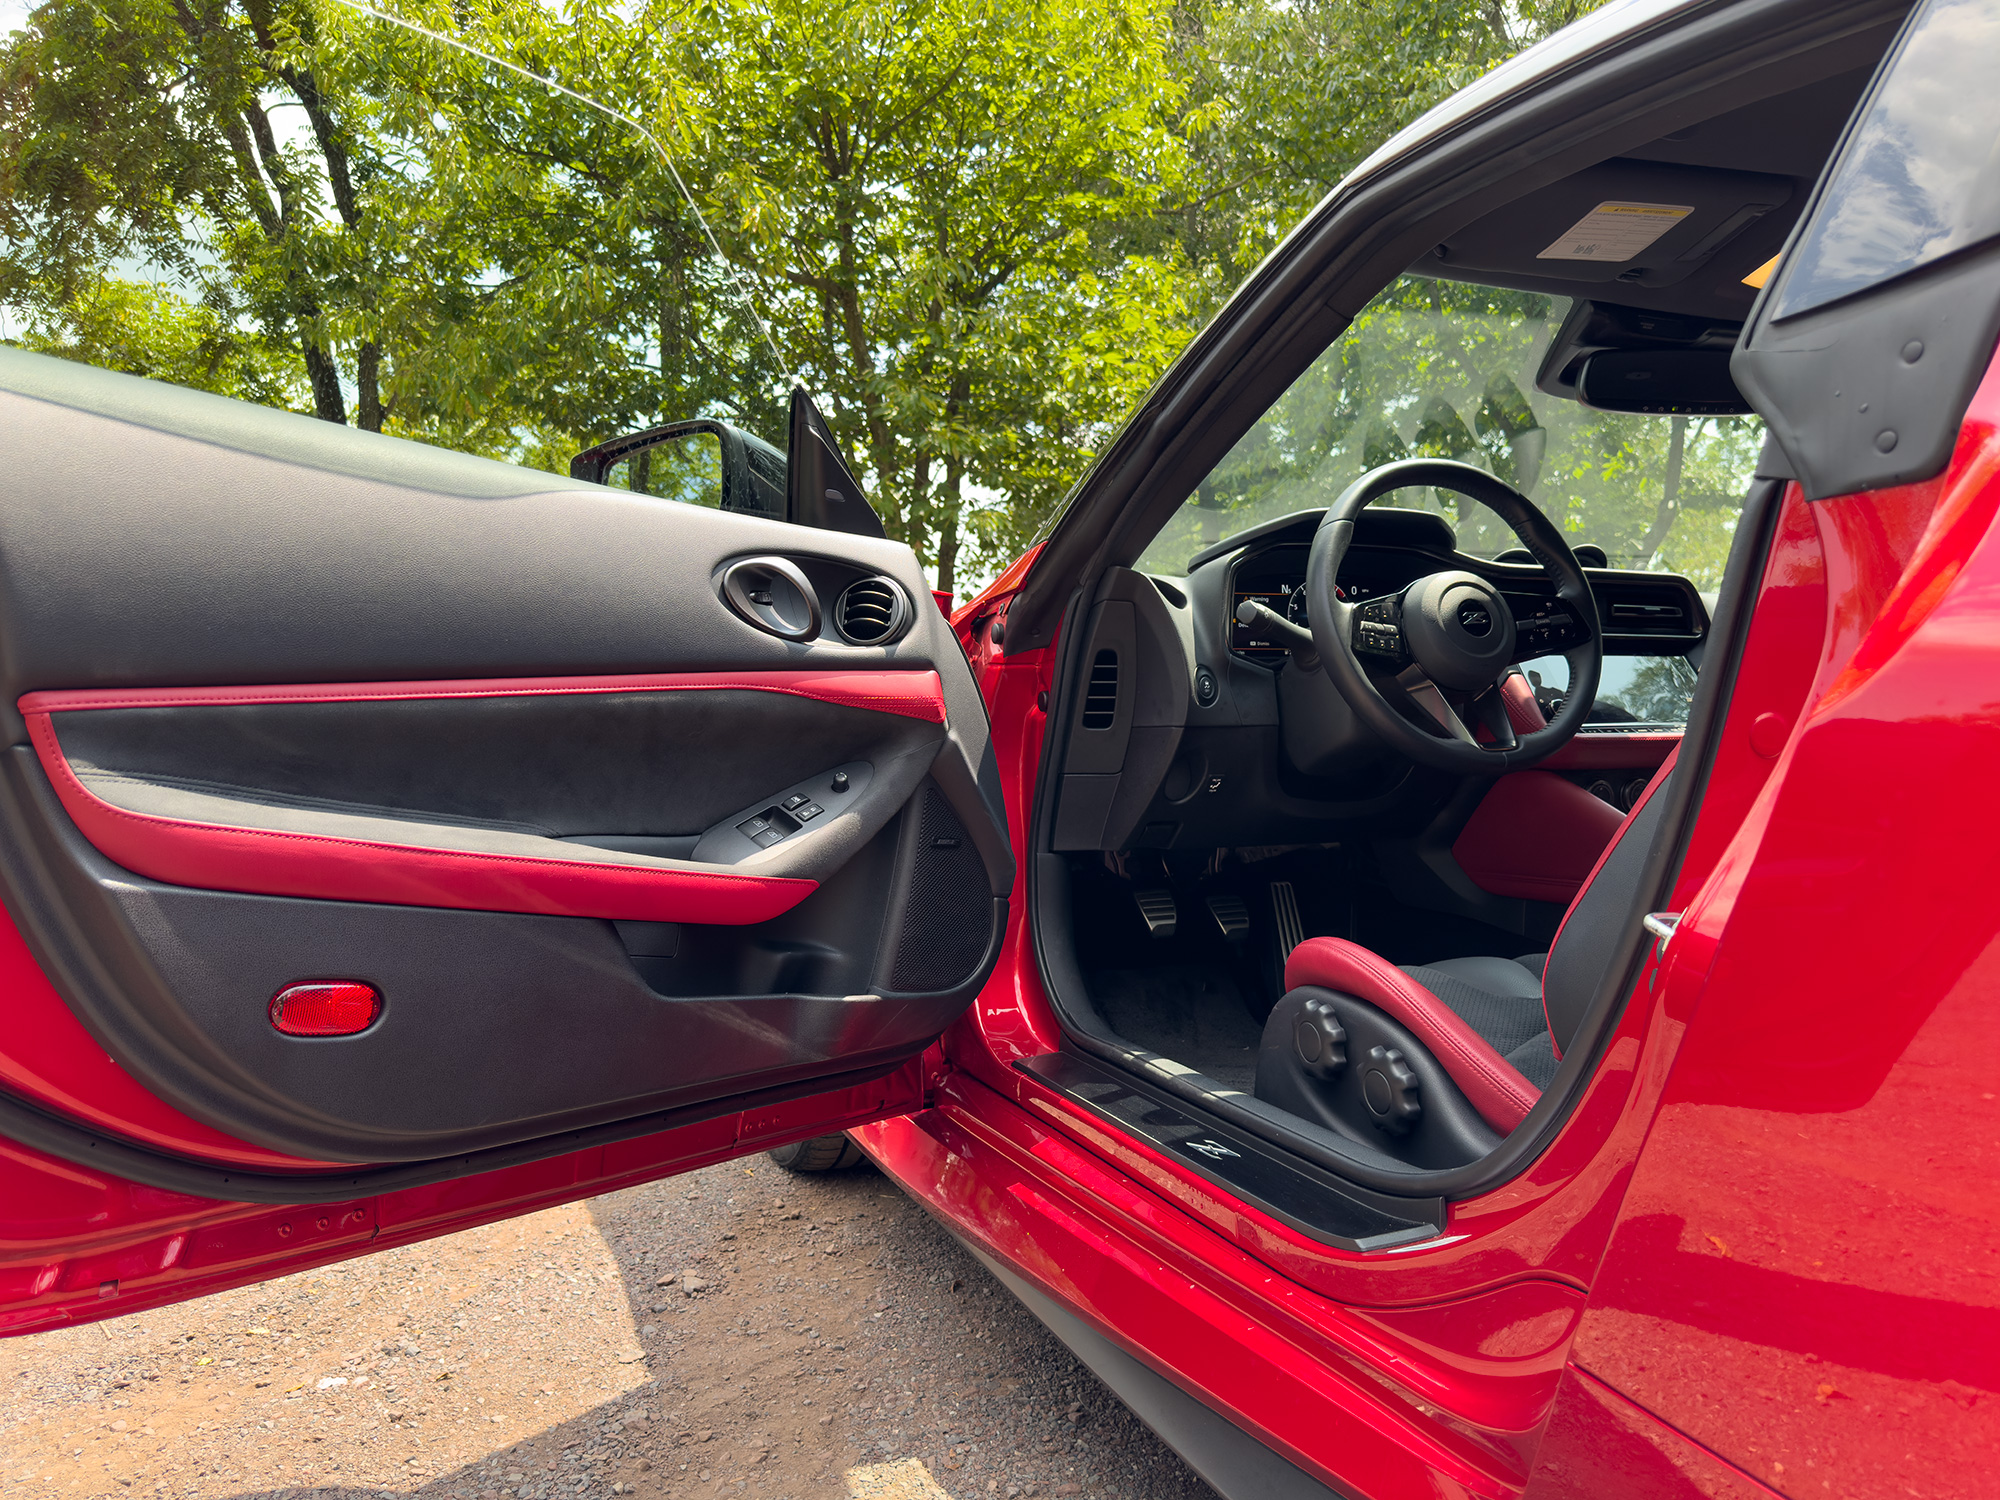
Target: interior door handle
<point>1662,925</point>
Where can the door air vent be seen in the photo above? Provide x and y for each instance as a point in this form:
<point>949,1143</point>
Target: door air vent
<point>1100,699</point>
<point>871,612</point>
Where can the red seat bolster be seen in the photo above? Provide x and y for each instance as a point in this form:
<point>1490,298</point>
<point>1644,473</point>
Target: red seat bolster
<point>1494,1086</point>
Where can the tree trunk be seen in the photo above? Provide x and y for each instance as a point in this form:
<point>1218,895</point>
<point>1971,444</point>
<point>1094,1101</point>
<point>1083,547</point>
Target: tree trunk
<point>947,551</point>
<point>1670,494</point>
<point>368,381</point>
<point>329,405</point>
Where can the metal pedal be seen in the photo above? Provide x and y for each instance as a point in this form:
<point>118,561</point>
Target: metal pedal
<point>1285,915</point>
<point>1158,912</point>
<point>1231,915</point>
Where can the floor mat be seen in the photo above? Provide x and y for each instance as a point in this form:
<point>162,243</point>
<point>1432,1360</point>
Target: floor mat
<point>1192,1014</point>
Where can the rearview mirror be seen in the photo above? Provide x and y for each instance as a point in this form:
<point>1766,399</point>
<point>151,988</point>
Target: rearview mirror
<point>699,462</point>
<point>1691,382</point>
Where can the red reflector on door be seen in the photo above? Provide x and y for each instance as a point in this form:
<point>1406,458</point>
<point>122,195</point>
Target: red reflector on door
<point>327,1007</point>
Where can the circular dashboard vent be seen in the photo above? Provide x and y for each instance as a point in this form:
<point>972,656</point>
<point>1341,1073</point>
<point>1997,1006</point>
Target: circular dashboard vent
<point>871,612</point>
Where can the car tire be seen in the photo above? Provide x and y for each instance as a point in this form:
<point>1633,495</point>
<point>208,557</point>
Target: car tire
<point>823,1153</point>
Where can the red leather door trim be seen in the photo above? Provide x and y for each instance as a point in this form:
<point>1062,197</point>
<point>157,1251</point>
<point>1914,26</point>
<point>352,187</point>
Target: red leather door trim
<point>269,862</point>
<point>913,695</point>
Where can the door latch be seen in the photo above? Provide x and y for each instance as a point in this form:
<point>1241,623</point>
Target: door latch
<point>1662,925</point>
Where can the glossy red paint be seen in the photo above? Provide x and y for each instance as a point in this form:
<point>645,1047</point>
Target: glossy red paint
<point>1535,835</point>
<point>1599,1444</point>
<point>915,695</point>
<point>266,862</point>
<point>1493,1085</point>
<point>77,1245</point>
<point>1803,1276</point>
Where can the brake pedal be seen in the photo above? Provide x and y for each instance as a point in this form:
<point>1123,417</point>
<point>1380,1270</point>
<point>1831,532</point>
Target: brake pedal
<point>1230,914</point>
<point>1285,917</point>
<point>1158,912</point>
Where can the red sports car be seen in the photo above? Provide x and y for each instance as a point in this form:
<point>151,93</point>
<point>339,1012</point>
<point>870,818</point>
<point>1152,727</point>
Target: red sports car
<point>1421,1011</point>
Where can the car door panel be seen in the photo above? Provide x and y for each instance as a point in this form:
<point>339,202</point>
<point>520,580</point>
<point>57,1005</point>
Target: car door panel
<point>288,704</point>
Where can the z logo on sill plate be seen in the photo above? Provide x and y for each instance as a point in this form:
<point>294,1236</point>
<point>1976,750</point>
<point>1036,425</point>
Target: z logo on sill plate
<point>1214,1150</point>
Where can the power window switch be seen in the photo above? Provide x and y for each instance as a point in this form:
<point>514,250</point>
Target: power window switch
<point>751,827</point>
<point>766,838</point>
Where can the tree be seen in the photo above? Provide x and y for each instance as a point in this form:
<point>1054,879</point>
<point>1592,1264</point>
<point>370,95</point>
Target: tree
<point>931,193</point>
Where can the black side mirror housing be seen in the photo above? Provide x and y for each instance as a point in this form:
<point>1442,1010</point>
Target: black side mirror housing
<point>810,485</point>
<point>753,472</point>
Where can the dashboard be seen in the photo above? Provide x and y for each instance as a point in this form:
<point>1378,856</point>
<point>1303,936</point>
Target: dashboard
<point>1658,612</point>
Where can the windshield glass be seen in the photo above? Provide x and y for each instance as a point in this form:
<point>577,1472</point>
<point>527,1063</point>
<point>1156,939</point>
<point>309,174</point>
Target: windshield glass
<point>1443,369</point>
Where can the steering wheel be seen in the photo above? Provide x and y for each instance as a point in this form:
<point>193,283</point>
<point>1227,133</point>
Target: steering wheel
<point>1417,665</point>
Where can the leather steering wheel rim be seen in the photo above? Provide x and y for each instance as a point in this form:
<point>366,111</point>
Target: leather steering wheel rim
<point>1334,622</point>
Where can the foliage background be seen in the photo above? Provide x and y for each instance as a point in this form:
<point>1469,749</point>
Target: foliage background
<point>981,228</point>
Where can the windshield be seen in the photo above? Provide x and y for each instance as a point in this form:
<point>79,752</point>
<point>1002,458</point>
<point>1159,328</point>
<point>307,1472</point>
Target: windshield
<point>1443,369</point>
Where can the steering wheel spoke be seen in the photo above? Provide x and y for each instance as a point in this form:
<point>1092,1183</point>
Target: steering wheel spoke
<point>1490,709</point>
<point>1375,630</point>
<point>1431,700</point>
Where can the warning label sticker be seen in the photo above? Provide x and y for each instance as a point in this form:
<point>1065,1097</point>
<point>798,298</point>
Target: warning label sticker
<point>1616,231</point>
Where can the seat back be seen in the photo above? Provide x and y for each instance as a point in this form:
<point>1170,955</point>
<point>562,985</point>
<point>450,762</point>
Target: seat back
<point>1584,943</point>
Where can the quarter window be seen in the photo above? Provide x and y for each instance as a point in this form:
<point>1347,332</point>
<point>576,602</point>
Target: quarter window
<point>1919,177</point>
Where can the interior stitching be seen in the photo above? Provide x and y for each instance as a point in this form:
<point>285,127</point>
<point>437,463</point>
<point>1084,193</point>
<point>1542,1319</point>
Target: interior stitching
<point>570,865</point>
<point>900,704</point>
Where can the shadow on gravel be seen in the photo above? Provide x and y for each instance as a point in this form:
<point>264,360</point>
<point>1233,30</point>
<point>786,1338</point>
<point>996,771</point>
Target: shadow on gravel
<point>791,1328</point>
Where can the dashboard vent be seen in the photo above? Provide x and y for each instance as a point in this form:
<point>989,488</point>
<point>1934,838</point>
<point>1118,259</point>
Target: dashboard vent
<point>1100,699</point>
<point>871,611</point>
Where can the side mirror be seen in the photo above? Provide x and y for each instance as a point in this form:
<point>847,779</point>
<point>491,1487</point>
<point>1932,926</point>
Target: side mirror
<point>706,462</point>
<point>701,461</point>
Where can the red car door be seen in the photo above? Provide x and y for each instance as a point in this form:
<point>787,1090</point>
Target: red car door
<point>393,840</point>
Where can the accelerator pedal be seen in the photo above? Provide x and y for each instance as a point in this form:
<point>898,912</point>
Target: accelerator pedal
<point>1158,912</point>
<point>1231,915</point>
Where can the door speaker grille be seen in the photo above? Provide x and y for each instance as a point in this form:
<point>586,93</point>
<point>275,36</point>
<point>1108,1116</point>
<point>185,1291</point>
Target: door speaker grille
<point>946,925</point>
<point>1100,698</point>
<point>871,611</point>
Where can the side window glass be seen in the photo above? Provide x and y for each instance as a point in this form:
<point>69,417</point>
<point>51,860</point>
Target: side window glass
<point>687,468</point>
<point>1919,178</point>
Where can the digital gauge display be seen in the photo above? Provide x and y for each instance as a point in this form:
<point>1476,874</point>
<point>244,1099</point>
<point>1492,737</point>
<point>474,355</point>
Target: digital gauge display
<point>1276,579</point>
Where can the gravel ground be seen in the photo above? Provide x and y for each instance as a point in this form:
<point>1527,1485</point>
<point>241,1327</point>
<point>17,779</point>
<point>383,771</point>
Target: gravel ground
<point>739,1331</point>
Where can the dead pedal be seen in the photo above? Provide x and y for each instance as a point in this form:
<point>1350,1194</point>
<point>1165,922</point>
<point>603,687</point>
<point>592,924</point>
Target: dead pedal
<point>1231,915</point>
<point>1158,912</point>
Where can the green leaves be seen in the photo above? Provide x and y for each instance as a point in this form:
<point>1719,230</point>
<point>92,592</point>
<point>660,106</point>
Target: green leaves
<point>979,228</point>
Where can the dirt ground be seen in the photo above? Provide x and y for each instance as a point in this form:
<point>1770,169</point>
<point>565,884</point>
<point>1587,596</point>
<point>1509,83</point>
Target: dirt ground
<point>740,1331</point>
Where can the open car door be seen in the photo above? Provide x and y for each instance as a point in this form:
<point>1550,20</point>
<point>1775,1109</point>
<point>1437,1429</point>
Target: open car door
<point>394,839</point>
